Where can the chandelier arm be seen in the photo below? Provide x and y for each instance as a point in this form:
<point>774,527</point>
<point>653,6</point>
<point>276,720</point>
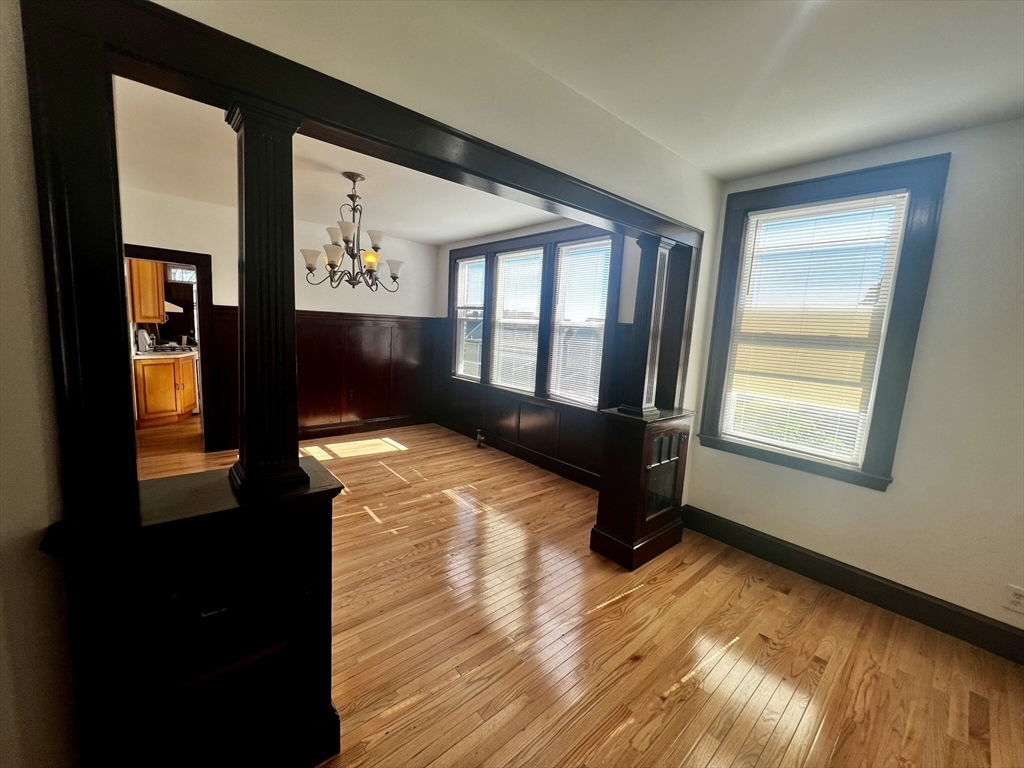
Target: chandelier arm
<point>338,277</point>
<point>309,276</point>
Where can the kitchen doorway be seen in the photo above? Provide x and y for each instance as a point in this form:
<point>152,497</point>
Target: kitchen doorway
<point>170,311</point>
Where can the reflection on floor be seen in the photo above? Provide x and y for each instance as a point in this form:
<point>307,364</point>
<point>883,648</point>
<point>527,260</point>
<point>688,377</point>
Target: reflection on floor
<point>473,626</point>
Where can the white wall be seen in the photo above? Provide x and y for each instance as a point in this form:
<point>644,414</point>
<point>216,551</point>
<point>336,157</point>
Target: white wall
<point>36,718</point>
<point>952,522</point>
<point>166,221</point>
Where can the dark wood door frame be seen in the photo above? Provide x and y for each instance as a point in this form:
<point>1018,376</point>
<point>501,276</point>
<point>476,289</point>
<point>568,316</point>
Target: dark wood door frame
<point>71,97</point>
<point>204,287</point>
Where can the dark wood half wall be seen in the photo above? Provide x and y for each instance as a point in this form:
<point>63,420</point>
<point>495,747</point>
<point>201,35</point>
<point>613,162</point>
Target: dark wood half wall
<point>355,372</point>
<point>561,438</point>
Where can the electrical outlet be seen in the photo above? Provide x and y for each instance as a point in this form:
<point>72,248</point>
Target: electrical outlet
<point>1014,598</point>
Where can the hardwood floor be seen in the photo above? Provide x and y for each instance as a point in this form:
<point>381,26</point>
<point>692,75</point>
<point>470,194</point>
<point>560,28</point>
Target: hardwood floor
<point>176,449</point>
<point>473,626</point>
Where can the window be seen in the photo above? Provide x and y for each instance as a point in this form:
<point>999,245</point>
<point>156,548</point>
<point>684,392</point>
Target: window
<point>577,325</point>
<point>811,311</point>
<point>820,295</point>
<point>469,316</point>
<point>538,306</point>
<point>517,286</point>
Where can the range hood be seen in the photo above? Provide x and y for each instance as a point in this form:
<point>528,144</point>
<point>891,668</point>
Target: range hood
<point>170,306</point>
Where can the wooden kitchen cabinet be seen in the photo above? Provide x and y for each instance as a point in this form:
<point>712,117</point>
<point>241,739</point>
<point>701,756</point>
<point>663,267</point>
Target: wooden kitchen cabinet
<point>188,394</point>
<point>146,290</point>
<point>166,390</point>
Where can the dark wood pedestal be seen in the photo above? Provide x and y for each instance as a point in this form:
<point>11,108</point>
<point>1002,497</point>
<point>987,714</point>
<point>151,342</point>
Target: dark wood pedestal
<point>203,636</point>
<point>638,511</point>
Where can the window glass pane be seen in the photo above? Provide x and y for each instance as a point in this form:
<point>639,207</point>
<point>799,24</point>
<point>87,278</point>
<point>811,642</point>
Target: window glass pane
<point>811,314</point>
<point>577,329</point>
<point>517,283</point>
<point>469,316</point>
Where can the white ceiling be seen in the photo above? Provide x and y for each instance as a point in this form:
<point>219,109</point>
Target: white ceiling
<point>174,146</point>
<point>741,87</point>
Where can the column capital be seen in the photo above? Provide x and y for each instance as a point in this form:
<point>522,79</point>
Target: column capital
<point>245,110</point>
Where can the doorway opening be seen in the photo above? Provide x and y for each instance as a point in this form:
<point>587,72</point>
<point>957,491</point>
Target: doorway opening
<point>169,318</point>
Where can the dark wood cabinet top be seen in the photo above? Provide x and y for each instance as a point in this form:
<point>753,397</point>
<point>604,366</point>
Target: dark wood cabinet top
<point>169,499</point>
<point>650,418</point>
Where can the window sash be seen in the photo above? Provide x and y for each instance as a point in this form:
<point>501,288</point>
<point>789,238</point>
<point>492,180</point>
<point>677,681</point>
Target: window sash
<point>469,316</point>
<point>582,269</point>
<point>518,279</point>
<point>809,325</point>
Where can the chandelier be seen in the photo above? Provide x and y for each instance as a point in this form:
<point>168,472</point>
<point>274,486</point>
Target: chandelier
<point>345,241</point>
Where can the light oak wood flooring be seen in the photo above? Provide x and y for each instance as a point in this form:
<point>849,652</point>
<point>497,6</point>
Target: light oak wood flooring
<point>473,626</point>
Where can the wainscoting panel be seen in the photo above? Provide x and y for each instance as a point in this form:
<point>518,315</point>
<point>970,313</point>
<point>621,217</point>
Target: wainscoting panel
<point>355,372</point>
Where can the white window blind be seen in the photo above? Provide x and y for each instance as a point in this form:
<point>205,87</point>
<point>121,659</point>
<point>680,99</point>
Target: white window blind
<point>469,316</point>
<point>517,284</point>
<point>811,313</point>
<point>577,328</point>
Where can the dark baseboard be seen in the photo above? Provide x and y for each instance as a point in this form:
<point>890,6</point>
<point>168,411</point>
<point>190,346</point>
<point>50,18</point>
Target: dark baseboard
<point>998,637</point>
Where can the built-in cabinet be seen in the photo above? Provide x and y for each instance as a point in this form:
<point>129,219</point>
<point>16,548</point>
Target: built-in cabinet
<point>639,509</point>
<point>165,389</point>
<point>146,290</point>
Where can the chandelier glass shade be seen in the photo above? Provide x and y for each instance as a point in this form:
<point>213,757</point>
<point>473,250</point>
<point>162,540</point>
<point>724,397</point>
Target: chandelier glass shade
<point>345,243</point>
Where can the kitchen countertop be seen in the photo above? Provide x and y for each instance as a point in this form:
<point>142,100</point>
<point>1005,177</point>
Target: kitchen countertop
<point>151,355</point>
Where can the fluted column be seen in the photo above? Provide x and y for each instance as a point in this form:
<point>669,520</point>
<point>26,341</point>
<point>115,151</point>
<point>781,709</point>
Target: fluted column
<point>268,440</point>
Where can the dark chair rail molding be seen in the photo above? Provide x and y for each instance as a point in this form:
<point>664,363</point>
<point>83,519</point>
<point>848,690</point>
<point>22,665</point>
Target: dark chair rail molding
<point>1001,639</point>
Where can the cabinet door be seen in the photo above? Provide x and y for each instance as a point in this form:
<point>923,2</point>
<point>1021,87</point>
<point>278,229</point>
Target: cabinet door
<point>368,372</point>
<point>188,396</point>
<point>146,284</point>
<point>156,392</point>
<point>664,467</point>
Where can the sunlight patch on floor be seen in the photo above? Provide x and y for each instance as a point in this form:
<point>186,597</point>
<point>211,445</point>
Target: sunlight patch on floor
<point>317,453</point>
<point>364,447</point>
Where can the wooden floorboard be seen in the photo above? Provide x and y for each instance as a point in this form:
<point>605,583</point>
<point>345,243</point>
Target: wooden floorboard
<point>473,626</point>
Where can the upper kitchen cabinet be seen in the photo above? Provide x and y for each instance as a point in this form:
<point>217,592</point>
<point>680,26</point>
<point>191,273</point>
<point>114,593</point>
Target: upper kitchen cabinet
<point>146,289</point>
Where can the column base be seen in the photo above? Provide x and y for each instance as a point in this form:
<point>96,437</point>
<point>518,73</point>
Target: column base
<point>275,483</point>
<point>632,556</point>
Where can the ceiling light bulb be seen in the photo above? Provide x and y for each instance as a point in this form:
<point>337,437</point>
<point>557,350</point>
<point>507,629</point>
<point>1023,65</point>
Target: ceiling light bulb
<point>376,238</point>
<point>334,235</point>
<point>396,267</point>
<point>371,259</point>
